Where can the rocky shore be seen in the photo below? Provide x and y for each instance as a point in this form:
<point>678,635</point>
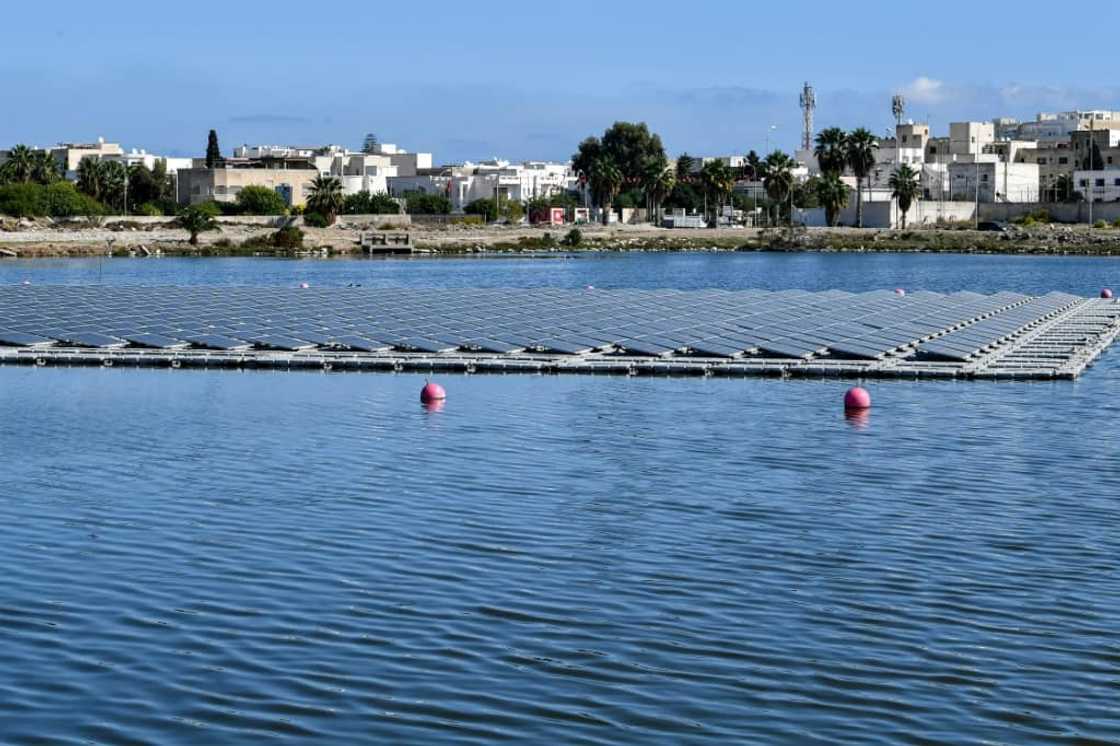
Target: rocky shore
<point>122,237</point>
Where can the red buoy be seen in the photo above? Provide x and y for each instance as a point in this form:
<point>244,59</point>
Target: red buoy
<point>857,398</point>
<point>1106,293</point>
<point>432,392</point>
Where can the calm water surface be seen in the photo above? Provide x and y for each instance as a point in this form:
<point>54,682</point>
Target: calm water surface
<point>216,557</point>
<point>811,271</point>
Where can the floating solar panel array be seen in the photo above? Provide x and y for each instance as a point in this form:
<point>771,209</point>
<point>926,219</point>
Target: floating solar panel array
<point>790,325</point>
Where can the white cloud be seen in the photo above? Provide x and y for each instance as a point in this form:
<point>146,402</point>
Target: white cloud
<point>923,90</point>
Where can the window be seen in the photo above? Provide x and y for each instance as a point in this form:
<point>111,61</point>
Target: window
<point>984,178</point>
<point>1042,161</point>
<point>1083,182</point>
<point>1116,182</point>
<point>1063,160</point>
<point>1100,182</point>
<point>1110,159</point>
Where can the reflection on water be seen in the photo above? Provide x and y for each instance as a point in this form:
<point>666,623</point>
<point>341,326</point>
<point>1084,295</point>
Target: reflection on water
<point>730,270</point>
<point>217,557</point>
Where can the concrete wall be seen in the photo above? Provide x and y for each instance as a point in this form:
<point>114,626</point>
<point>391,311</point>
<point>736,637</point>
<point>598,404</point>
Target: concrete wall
<point>1076,212</point>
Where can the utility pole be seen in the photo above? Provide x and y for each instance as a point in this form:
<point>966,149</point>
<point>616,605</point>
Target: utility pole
<point>1090,180</point>
<point>977,215</point>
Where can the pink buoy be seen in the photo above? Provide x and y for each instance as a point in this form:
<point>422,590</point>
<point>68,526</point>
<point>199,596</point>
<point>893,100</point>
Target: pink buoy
<point>857,398</point>
<point>1106,293</point>
<point>432,392</point>
<point>899,291</point>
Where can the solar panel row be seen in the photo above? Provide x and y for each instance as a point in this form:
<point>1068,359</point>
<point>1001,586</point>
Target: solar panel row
<point>788,324</point>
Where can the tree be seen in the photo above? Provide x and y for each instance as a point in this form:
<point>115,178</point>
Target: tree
<point>112,180</point>
<point>657,183</point>
<point>325,197</point>
<point>420,203</point>
<point>605,179</point>
<point>63,200</point>
<point>366,203</point>
<point>718,181</point>
<point>832,193</point>
<point>44,168</point>
<point>905,188</point>
<point>861,159</point>
<point>1063,189</point>
<point>259,200</point>
<point>196,220</point>
<point>777,177</point>
<point>213,152</point>
<point>832,151</point>
<point>685,164</point>
<point>627,145</point>
<point>20,165</point>
<point>89,176</point>
<point>754,166</point>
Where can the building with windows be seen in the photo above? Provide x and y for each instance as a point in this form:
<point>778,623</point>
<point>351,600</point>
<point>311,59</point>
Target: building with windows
<point>989,179</point>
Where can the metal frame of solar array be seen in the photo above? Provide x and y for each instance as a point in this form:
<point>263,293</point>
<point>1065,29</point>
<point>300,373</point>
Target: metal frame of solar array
<point>786,324</point>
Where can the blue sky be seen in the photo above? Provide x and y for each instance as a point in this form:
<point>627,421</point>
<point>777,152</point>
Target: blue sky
<point>529,80</point>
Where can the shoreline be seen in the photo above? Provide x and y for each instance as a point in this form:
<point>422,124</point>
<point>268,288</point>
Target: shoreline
<point>124,239</point>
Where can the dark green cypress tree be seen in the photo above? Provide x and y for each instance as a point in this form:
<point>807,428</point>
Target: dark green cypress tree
<point>213,152</point>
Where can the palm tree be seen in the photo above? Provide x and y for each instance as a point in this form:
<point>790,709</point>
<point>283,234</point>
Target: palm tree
<point>20,164</point>
<point>112,177</point>
<point>196,220</point>
<point>89,176</point>
<point>777,177</point>
<point>44,167</point>
<point>718,180</point>
<point>325,197</point>
<point>861,159</point>
<point>754,166</point>
<point>832,150</point>
<point>905,188</point>
<point>833,195</point>
<point>684,167</point>
<point>606,181</point>
<point>658,181</point>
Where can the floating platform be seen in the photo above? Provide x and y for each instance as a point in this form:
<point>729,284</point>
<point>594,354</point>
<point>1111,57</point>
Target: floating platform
<point>630,332</point>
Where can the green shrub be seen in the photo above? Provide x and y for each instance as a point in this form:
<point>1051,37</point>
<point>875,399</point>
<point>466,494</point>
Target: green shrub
<point>365,203</point>
<point>420,203</point>
<point>259,200</point>
<point>288,237</point>
<point>210,207</point>
<point>1100,224</point>
<point>149,209</point>
<point>573,238</point>
<point>63,200</point>
<point>23,200</point>
<point>315,220</point>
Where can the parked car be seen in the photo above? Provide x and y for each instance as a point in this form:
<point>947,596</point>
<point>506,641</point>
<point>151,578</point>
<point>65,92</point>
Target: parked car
<point>993,227</point>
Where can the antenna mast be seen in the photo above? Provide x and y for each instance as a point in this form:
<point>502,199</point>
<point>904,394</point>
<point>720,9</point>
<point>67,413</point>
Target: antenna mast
<point>808,106</point>
<point>898,107</point>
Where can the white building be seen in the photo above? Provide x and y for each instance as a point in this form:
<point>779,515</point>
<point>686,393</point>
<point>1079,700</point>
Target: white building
<point>517,182</point>
<point>969,138</point>
<point>406,163</point>
<point>989,179</point>
<point>135,157</point>
<point>1099,186</point>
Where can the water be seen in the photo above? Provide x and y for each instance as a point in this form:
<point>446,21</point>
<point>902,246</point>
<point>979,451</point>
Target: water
<point>203,557</point>
<point>810,271</point>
